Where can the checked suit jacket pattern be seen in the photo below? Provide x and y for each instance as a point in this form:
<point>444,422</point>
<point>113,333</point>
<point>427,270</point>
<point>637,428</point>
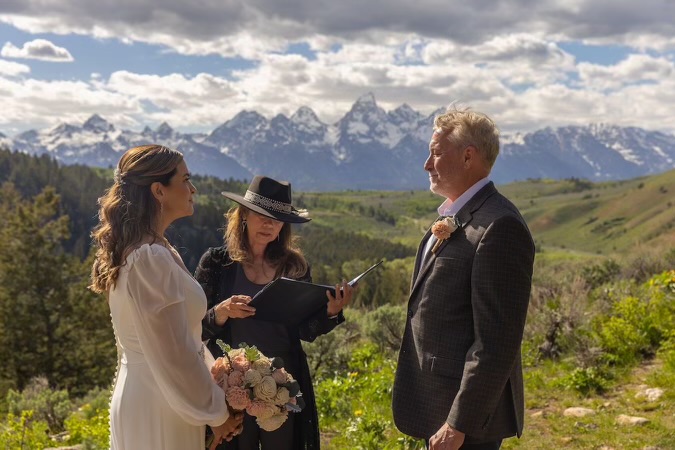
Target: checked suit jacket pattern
<point>460,356</point>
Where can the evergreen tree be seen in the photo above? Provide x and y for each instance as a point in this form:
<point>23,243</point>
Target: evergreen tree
<point>46,313</point>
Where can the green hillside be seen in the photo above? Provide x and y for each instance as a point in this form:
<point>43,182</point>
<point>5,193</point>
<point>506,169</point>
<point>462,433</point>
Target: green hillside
<point>569,215</point>
<point>602,218</point>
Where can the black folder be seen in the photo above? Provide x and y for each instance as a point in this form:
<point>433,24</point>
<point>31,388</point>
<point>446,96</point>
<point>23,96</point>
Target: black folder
<point>290,301</point>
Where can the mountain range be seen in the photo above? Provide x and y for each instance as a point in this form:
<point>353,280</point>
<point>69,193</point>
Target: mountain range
<point>368,148</point>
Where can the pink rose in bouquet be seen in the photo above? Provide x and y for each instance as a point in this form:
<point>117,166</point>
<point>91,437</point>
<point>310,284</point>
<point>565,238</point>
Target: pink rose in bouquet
<point>257,384</point>
<point>238,398</point>
<point>280,376</point>
<point>241,363</point>
<point>220,371</point>
<point>236,378</point>
<point>261,409</point>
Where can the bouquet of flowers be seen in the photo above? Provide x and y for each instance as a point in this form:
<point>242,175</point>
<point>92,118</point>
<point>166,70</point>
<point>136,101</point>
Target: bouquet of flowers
<point>257,384</point>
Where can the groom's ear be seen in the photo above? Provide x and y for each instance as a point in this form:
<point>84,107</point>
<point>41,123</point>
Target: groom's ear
<point>469,156</point>
<point>474,159</point>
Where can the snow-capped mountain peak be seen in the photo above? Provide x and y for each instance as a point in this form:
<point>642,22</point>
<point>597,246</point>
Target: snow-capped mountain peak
<point>97,124</point>
<point>368,148</point>
<point>164,131</point>
<point>306,121</point>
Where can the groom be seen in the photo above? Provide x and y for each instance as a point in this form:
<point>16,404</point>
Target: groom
<point>459,381</point>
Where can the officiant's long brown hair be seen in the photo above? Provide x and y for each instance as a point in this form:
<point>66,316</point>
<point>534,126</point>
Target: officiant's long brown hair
<point>284,252</point>
<point>128,211</point>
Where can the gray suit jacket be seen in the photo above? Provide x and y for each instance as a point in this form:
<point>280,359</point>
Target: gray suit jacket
<point>460,358</point>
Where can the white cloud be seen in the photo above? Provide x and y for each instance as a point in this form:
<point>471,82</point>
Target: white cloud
<point>330,82</point>
<point>38,49</point>
<point>636,68</point>
<point>12,69</point>
<point>506,58</point>
<point>46,103</point>
<point>249,28</point>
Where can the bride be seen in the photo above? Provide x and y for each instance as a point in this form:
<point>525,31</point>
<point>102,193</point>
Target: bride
<point>164,395</point>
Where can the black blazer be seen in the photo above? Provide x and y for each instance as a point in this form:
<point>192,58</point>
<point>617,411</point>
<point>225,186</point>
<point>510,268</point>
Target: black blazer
<point>460,356</point>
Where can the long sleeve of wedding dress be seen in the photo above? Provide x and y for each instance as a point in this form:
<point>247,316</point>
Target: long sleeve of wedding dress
<point>167,305</point>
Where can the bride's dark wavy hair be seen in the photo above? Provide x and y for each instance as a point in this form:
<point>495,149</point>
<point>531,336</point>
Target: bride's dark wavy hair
<point>128,211</point>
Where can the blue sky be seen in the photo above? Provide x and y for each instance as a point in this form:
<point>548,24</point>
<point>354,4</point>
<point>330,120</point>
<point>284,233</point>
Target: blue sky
<point>528,64</point>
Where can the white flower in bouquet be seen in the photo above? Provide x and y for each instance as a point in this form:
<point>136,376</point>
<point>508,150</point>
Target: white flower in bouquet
<point>252,377</point>
<point>266,389</point>
<point>274,422</point>
<point>282,396</point>
<point>262,365</point>
<point>261,409</point>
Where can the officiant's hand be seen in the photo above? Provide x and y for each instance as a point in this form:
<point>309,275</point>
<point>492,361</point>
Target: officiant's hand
<point>343,296</point>
<point>235,307</point>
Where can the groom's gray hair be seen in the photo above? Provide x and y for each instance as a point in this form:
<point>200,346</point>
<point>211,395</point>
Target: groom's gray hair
<point>463,127</point>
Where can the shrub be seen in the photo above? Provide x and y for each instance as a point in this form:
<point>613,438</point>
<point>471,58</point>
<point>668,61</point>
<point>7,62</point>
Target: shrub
<point>50,406</point>
<point>637,325</point>
<point>367,433</point>
<point>384,326</point>
<point>625,335</point>
<point>24,432</point>
<point>599,274</point>
<point>330,353</point>
<point>586,381</point>
<point>89,427</point>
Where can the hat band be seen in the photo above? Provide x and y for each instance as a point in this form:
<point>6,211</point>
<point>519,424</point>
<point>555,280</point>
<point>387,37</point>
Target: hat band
<point>268,203</point>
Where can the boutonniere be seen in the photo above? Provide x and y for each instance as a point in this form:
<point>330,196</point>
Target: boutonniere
<point>442,229</point>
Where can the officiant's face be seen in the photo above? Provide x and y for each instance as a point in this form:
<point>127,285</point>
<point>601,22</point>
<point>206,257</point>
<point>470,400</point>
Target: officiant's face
<point>261,229</point>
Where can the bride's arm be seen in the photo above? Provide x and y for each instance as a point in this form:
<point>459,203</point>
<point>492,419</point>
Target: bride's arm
<point>156,285</point>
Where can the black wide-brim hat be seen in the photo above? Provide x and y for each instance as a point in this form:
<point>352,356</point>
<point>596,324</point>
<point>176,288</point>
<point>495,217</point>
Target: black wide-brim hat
<point>271,198</point>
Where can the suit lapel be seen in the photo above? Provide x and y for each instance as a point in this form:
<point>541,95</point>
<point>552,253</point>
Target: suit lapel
<point>464,216</point>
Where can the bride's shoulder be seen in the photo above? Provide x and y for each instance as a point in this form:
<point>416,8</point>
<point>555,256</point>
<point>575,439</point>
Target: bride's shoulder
<point>147,252</point>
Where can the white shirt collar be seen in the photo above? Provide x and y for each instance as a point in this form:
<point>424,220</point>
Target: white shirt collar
<point>450,208</point>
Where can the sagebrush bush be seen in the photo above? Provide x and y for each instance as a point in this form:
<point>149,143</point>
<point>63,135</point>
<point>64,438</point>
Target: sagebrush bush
<point>47,405</point>
<point>384,326</point>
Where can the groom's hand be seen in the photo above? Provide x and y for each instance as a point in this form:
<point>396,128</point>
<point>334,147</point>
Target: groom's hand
<point>446,438</point>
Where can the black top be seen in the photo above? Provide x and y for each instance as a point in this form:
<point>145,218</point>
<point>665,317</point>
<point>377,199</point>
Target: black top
<point>271,338</point>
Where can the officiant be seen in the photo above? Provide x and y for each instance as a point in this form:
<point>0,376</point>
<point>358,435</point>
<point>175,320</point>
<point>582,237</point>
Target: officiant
<point>259,248</point>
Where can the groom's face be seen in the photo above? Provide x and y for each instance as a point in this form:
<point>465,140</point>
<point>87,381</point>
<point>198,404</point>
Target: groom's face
<point>445,166</point>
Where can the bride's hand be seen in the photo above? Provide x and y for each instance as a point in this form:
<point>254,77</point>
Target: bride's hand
<point>343,296</point>
<point>235,307</point>
<point>228,429</point>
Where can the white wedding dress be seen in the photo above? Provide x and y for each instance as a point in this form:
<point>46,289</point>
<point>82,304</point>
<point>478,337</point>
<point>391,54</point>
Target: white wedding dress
<point>163,394</point>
